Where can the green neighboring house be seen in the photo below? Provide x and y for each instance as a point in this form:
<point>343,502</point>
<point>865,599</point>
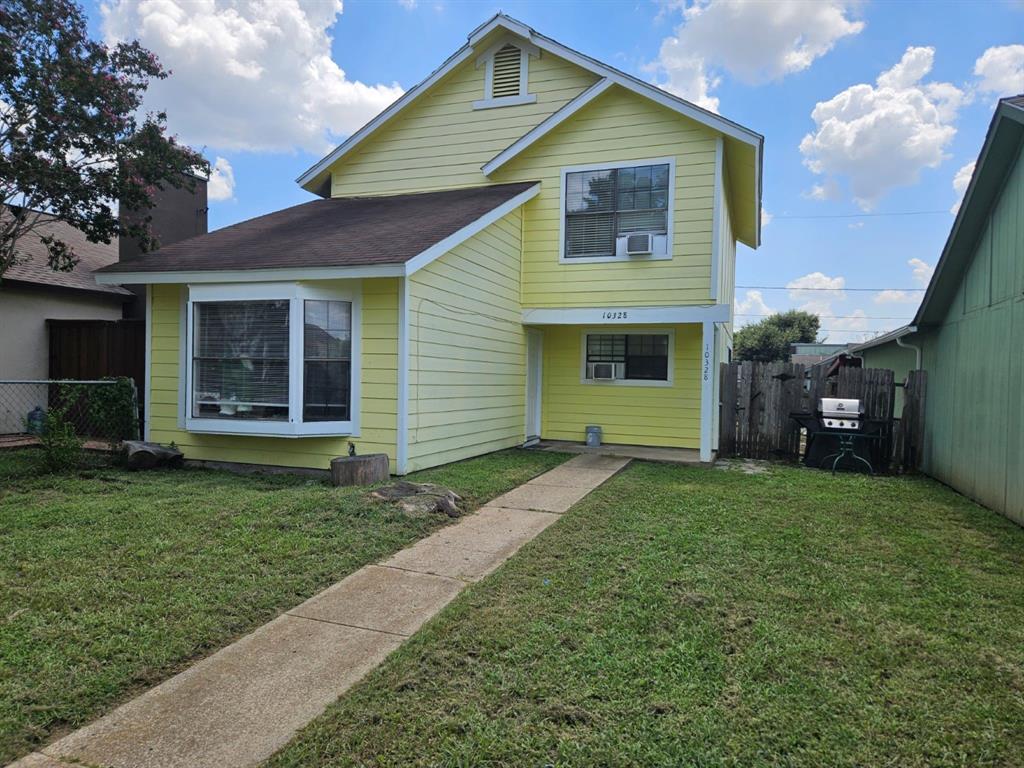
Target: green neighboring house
<point>967,333</point>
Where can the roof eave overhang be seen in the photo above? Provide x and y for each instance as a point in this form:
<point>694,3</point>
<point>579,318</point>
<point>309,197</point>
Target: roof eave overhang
<point>970,218</point>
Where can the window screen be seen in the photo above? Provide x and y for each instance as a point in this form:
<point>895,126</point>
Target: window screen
<point>327,361</point>
<point>601,205</point>
<point>645,355</point>
<point>240,360</point>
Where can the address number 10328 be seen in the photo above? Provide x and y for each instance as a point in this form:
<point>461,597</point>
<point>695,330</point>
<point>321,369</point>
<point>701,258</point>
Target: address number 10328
<point>615,315</point>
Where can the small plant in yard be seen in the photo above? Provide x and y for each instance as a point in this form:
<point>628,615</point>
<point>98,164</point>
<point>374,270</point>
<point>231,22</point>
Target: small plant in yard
<point>62,450</point>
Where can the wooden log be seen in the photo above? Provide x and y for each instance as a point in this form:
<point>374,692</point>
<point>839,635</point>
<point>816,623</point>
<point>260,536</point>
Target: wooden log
<point>360,470</point>
<point>142,455</point>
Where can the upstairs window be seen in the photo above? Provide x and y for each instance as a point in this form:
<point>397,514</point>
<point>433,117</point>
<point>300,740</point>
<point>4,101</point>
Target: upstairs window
<point>506,74</point>
<point>634,357</point>
<point>605,207</point>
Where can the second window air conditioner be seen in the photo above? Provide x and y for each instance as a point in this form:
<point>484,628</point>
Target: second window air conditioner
<point>640,244</point>
<point>606,371</point>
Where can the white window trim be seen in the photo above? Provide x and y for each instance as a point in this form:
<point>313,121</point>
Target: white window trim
<point>296,294</point>
<point>487,59</point>
<point>614,331</point>
<point>669,233</point>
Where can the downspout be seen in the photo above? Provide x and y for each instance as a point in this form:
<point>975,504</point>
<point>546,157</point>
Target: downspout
<point>915,347</point>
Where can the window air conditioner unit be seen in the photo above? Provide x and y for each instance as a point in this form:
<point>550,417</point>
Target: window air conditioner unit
<point>607,371</point>
<point>639,244</point>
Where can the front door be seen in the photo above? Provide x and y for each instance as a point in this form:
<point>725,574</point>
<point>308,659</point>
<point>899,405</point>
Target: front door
<point>534,362</point>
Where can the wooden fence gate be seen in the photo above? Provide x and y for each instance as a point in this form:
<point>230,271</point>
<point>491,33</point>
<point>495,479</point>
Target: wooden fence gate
<point>756,400</point>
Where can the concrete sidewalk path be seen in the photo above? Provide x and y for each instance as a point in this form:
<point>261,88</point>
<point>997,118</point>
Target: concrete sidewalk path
<point>243,703</point>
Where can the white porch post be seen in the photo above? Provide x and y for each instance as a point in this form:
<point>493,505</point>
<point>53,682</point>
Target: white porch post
<point>707,390</point>
<point>402,421</point>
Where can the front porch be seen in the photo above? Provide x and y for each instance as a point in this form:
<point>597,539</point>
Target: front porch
<point>646,377</point>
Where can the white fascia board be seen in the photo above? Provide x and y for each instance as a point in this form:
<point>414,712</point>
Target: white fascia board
<point>885,338</point>
<point>250,275</point>
<point>600,316</point>
<point>503,21</point>
<point>397,106</point>
<point>548,125</point>
<point>442,247</point>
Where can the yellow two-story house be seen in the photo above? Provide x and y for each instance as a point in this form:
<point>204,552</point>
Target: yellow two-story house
<point>527,243</point>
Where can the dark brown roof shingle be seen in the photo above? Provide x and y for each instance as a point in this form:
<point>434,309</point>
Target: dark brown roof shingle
<point>31,264</point>
<point>338,232</point>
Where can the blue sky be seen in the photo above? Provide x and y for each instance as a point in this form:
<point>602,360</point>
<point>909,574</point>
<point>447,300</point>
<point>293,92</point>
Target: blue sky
<point>881,148</point>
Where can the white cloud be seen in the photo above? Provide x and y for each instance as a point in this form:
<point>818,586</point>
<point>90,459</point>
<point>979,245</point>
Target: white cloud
<point>409,5</point>
<point>922,270</point>
<point>248,75</point>
<point>817,287</point>
<point>766,218</point>
<point>221,185</point>
<point>752,308</point>
<point>829,190</point>
<point>882,136</point>
<point>1001,70</point>
<point>891,296</point>
<point>754,41</point>
<point>960,182</point>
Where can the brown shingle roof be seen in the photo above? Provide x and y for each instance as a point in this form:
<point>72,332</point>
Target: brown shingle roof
<point>339,232</point>
<point>31,259</point>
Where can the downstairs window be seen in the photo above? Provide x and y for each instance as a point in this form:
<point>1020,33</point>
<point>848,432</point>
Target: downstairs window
<point>627,357</point>
<point>279,363</point>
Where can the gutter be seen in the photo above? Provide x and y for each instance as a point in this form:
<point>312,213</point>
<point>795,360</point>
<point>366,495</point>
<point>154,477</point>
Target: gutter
<point>916,347</point>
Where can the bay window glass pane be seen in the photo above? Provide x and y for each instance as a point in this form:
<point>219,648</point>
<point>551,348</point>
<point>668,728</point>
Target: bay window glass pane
<point>327,361</point>
<point>606,348</point>
<point>240,360</point>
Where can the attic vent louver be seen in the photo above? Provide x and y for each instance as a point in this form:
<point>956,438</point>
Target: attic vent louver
<point>505,80</point>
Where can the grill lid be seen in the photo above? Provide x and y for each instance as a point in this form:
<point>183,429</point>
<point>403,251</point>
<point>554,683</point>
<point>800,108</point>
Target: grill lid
<point>840,407</point>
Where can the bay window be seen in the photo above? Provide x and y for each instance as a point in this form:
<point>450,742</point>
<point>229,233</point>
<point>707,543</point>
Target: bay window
<point>275,359</point>
<point>604,206</point>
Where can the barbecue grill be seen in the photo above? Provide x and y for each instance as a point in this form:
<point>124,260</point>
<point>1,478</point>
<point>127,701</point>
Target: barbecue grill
<point>839,430</point>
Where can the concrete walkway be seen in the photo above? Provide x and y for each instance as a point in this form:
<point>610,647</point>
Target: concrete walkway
<point>243,703</point>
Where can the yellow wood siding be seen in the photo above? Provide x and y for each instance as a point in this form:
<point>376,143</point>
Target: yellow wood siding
<point>379,390</point>
<point>632,415</point>
<point>440,141</point>
<point>467,350</point>
<point>619,126</point>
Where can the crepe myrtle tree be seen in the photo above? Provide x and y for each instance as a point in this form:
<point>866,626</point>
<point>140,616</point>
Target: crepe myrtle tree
<point>768,340</point>
<point>73,143</point>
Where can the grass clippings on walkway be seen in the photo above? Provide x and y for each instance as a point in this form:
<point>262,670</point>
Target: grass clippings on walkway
<point>684,616</point>
<point>110,581</point>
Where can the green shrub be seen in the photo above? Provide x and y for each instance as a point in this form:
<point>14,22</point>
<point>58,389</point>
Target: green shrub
<point>62,450</point>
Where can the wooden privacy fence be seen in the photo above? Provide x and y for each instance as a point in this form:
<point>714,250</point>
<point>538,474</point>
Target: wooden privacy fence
<point>756,400</point>
<point>97,349</point>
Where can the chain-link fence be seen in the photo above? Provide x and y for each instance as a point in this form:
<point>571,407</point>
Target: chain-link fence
<point>100,413</point>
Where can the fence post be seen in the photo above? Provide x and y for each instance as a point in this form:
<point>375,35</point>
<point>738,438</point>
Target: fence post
<point>912,421</point>
<point>727,403</point>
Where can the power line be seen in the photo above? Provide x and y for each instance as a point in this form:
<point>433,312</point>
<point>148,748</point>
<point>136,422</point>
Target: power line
<point>797,288</point>
<point>837,317</point>
<point>862,215</point>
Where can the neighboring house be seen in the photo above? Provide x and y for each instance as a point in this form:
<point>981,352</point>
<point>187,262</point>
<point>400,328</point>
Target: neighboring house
<point>31,293</point>
<point>811,353</point>
<point>967,332</point>
<point>526,243</point>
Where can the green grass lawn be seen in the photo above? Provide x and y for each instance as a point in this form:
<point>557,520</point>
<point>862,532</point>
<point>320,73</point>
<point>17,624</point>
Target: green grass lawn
<point>111,581</point>
<point>695,617</point>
